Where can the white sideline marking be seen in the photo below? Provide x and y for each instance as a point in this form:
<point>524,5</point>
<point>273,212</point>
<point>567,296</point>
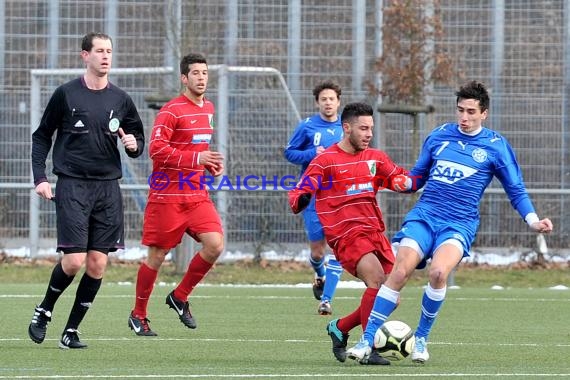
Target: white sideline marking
<point>449,298</point>
<point>304,375</point>
<point>193,296</point>
<point>304,341</point>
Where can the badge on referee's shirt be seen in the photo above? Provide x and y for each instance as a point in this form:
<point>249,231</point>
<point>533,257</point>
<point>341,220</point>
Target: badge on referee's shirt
<point>114,124</point>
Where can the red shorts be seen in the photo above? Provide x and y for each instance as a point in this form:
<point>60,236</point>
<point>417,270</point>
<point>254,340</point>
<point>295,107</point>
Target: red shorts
<point>164,224</point>
<point>350,249</point>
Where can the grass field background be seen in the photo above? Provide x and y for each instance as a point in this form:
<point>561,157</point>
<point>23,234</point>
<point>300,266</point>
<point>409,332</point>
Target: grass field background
<point>273,331</point>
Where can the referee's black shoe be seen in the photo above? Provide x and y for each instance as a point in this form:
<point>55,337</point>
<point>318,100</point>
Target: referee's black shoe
<point>38,327</point>
<point>70,339</point>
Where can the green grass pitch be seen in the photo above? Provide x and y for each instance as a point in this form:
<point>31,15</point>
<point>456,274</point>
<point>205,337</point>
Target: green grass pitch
<point>273,332</point>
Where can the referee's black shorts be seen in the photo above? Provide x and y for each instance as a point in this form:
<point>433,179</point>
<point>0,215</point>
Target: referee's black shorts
<point>89,215</point>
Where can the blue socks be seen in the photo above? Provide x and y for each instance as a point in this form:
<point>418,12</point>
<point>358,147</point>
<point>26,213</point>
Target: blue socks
<point>333,273</point>
<point>318,266</point>
<point>431,303</point>
<point>384,304</point>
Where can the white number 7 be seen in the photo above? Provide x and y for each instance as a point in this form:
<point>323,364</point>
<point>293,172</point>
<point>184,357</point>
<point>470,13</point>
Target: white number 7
<point>443,145</point>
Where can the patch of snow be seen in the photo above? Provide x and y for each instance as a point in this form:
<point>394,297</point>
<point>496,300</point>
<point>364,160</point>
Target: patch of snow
<point>497,257</point>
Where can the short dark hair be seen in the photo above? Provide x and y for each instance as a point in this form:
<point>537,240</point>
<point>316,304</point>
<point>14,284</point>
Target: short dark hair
<point>474,90</point>
<point>326,85</point>
<point>190,59</point>
<point>87,42</point>
<point>353,110</point>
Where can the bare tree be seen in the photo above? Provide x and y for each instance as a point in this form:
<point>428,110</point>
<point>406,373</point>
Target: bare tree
<point>412,59</point>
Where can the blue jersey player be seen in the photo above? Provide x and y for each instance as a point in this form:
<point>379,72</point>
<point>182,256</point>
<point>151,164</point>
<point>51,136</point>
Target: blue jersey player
<point>311,137</point>
<point>457,162</point>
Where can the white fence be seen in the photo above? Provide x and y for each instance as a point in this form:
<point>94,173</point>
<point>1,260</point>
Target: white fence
<point>254,118</point>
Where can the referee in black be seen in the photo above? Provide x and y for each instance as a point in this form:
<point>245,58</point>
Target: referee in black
<point>89,114</point>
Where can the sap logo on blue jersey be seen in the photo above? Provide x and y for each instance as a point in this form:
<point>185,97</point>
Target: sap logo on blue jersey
<point>201,138</point>
<point>450,172</point>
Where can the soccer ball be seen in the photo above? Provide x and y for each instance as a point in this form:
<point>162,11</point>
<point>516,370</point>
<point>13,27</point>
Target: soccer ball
<point>394,340</point>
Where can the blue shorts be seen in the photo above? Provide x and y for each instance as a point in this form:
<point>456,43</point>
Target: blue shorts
<point>313,226</point>
<point>430,235</point>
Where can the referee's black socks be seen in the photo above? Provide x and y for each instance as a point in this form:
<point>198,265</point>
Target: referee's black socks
<point>86,292</point>
<point>58,282</point>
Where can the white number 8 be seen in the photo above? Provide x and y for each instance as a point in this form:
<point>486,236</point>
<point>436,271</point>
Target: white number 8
<point>317,139</point>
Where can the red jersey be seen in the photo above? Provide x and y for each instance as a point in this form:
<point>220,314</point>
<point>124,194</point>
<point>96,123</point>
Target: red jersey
<point>345,186</point>
<point>182,129</point>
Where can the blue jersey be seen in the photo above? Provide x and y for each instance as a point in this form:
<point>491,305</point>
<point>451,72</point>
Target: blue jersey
<point>309,134</point>
<point>456,168</point>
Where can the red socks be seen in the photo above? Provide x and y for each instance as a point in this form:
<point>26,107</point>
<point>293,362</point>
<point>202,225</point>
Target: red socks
<point>360,315</point>
<point>197,270</point>
<point>366,305</point>
<point>146,278</point>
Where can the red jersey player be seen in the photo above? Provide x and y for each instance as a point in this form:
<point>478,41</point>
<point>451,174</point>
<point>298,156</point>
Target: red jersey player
<point>345,179</point>
<point>177,203</point>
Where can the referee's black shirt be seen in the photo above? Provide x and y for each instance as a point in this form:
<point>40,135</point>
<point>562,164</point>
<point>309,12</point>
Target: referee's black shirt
<point>84,146</point>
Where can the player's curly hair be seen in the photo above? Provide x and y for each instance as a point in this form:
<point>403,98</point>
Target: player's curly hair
<point>474,90</point>
<point>326,85</point>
